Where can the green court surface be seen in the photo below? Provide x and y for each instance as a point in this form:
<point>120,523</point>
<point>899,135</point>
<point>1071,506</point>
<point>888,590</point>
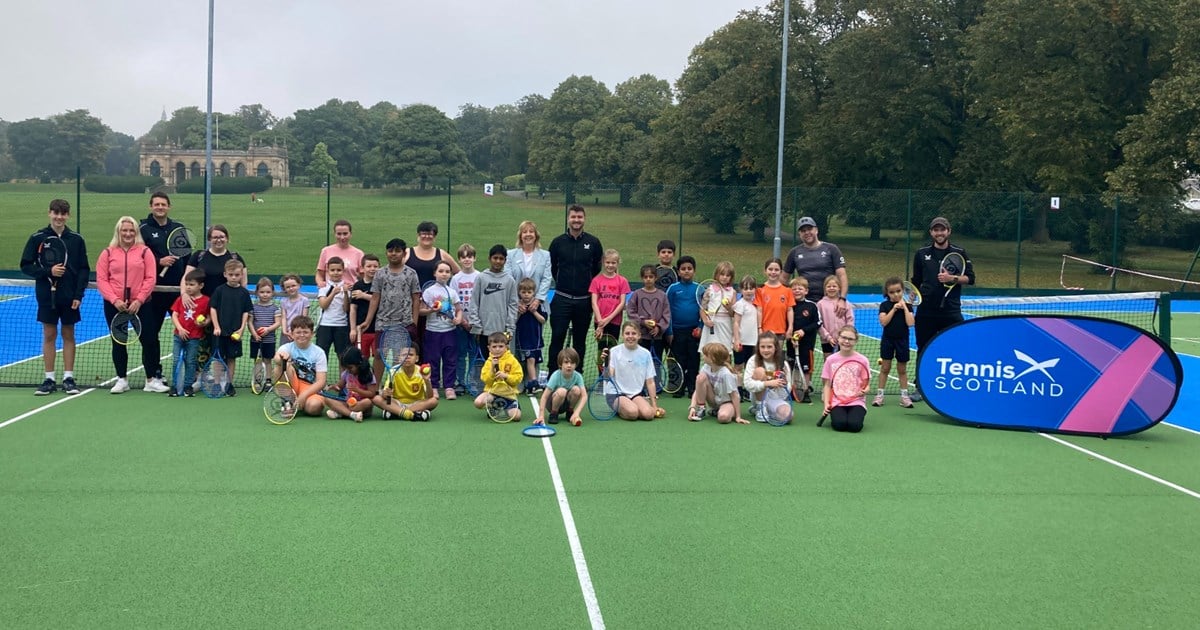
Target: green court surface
<point>143,511</point>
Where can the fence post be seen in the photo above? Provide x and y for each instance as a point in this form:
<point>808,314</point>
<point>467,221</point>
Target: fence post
<point>449,202</point>
<point>1020,213</point>
<point>795,211</point>
<point>78,200</point>
<point>328,203</point>
<point>1116,216</point>
<point>680,197</point>
<point>908,240</point>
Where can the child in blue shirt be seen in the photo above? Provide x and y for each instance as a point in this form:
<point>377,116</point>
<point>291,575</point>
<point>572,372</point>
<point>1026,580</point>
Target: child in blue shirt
<point>685,324</point>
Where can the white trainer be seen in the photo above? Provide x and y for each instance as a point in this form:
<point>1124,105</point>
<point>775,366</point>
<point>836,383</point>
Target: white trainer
<point>156,386</point>
<point>120,387</point>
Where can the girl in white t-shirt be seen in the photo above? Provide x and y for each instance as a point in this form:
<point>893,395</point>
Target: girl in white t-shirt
<point>768,378</point>
<point>745,324</point>
<point>632,370</point>
<point>716,388</point>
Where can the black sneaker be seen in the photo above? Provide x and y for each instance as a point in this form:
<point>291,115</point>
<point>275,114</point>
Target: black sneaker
<point>386,415</point>
<point>807,399</point>
<point>189,392</point>
<point>69,386</point>
<point>422,416</point>
<point>172,394</point>
<point>552,418</point>
<point>46,388</point>
<point>229,390</point>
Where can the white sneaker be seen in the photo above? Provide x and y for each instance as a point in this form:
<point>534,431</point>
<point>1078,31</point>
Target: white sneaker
<point>120,387</point>
<point>154,385</point>
<point>760,412</point>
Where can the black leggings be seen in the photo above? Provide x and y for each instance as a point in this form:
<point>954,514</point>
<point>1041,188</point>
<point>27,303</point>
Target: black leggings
<point>849,418</point>
<point>568,313</point>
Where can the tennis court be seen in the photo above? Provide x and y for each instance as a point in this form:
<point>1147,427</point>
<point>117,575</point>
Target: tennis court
<point>141,510</point>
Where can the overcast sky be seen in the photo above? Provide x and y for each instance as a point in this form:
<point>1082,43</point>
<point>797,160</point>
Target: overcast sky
<point>125,61</point>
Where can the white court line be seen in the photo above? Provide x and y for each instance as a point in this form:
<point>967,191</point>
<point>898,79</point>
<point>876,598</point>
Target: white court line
<point>1182,428</point>
<point>1127,467</point>
<point>65,398</point>
<point>581,568</point>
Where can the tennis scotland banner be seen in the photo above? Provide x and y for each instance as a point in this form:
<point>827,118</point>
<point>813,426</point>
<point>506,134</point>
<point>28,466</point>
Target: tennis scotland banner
<point>1079,375</point>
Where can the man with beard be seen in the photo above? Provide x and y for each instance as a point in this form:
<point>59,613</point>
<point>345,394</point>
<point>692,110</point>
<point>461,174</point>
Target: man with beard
<point>575,258</point>
<point>814,261</point>
<point>934,314</point>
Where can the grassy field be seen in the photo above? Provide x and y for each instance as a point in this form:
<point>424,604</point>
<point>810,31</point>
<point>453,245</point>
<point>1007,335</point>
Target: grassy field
<point>285,233</point>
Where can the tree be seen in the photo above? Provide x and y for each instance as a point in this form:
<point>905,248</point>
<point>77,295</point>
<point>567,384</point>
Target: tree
<point>179,129</point>
<point>1057,97</point>
<point>28,141</point>
<point>619,142</point>
<point>566,118</point>
<point>474,126</point>
<point>344,127</point>
<point>122,156</point>
<point>421,143</point>
<point>321,167</point>
<point>256,118</point>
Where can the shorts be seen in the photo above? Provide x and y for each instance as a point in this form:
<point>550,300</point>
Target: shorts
<point>228,348</point>
<point>366,344</point>
<point>893,348</point>
<point>525,355</point>
<point>262,349</point>
<point>740,357</point>
<point>57,313</point>
<point>828,348</point>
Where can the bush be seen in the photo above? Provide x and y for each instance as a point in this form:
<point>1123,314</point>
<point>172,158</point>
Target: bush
<point>514,182</point>
<point>120,183</point>
<point>227,185</point>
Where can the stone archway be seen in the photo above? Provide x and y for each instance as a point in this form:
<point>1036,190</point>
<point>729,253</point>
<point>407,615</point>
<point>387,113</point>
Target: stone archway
<point>180,173</point>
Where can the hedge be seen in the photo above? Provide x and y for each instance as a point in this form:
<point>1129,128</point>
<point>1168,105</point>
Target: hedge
<point>227,185</point>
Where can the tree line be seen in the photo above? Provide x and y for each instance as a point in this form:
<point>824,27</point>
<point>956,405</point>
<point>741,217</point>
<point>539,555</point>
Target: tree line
<point>1094,99</point>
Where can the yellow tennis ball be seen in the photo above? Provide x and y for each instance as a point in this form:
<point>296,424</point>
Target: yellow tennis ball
<point>652,323</point>
<point>407,414</point>
<point>237,336</point>
<point>425,370</point>
<point>200,319</point>
<point>879,361</point>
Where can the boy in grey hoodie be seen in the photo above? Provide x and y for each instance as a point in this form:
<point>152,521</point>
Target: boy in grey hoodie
<point>494,299</point>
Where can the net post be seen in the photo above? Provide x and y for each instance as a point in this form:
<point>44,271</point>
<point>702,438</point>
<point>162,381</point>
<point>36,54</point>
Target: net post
<point>1164,318</point>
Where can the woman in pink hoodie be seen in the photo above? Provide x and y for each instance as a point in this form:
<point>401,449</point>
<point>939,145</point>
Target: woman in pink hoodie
<point>125,277</point>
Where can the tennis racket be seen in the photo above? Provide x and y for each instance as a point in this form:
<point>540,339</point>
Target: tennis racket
<point>125,328</point>
<point>665,277</point>
<point>474,376</point>
<point>849,383</point>
<point>705,295</point>
<point>279,403</point>
<point>260,379</point>
<point>180,242</point>
<point>670,373</point>
<point>603,345</point>
<point>799,381</point>
<point>911,294</point>
<point>538,431</point>
<point>953,264</point>
<point>497,409</point>
<point>602,397</point>
<point>773,398</point>
<point>51,253</point>
<point>215,375</point>
<point>394,345</point>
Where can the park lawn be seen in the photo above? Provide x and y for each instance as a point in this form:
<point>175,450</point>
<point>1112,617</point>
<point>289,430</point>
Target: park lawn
<point>284,234</point>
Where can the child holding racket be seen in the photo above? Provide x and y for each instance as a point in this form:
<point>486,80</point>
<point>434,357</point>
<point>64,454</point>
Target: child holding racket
<point>265,319</point>
<point>685,325</point>
<point>843,395</point>
<point>632,370</point>
<point>530,319</point>
<point>806,322</point>
<point>774,302</point>
<point>501,375</point>
<point>303,366</point>
<point>716,312</point>
<point>831,322</point>
<point>565,394</point>
<point>56,258</point>
<point>293,303</point>
<point>767,370</point>
<point>608,290</point>
<point>230,309</point>
<point>407,394</point>
<point>357,384</point>
<point>716,388</point>
<point>745,323</point>
<point>896,317</point>
<point>189,329</point>
<point>443,314</point>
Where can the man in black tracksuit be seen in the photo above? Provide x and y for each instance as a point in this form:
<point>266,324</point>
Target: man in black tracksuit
<point>155,228</point>
<point>575,258</point>
<point>932,315</point>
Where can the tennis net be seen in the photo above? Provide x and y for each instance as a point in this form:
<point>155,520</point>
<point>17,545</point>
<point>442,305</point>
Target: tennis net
<point>1149,311</point>
<point>21,354</point>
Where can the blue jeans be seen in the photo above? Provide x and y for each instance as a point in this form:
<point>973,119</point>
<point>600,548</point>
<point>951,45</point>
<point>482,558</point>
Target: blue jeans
<point>185,363</point>
<point>465,346</point>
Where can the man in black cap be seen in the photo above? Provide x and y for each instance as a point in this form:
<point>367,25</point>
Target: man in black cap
<point>934,313</point>
<point>815,261</point>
